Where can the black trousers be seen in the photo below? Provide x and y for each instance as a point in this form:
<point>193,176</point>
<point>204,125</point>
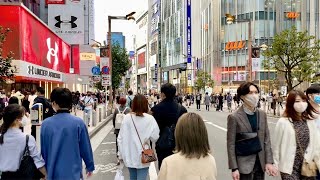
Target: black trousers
<point>207,107</point>
<point>256,174</point>
<point>10,176</point>
<point>161,154</point>
<point>34,131</point>
<point>198,104</point>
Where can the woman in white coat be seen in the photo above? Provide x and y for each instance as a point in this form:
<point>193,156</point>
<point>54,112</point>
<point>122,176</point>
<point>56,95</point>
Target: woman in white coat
<point>129,144</point>
<point>297,139</point>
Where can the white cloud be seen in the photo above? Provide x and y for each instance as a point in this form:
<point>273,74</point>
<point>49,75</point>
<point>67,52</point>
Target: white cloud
<point>104,8</point>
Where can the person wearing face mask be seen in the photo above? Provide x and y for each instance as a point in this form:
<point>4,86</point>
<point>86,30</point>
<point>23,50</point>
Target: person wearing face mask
<point>15,100</point>
<point>13,143</point>
<point>298,139</point>
<point>248,138</point>
<point>313,95</point>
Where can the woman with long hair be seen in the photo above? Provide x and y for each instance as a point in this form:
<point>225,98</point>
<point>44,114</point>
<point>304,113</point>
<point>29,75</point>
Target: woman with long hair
<point>13,144</point>
<point>297,139</point>
<point>137,128</point>
<point>192,159</point>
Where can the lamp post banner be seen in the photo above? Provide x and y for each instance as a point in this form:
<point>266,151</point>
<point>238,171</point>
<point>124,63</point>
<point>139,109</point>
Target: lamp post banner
<point>189,54</point>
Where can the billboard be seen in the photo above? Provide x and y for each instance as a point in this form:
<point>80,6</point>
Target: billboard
<point>141,36</point>
<point>44,49</point>
<point>67,20</point>
<point>154,16</point>
<point>142,60</point>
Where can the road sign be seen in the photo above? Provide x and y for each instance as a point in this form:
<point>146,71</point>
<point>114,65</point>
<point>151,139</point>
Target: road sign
<point>106,80</point>
<point>95,70</point>
<point>96,78</point>
<point>105,70</point>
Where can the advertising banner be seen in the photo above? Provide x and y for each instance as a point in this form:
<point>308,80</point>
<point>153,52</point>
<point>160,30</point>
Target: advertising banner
<point>189,53</point>
<point>67,20</point>
<point>142,60</point>
<point>44,49</point>
<point>256,64</point>
<point>154,15</point>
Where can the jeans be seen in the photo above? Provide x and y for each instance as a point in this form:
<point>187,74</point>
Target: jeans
<point>138,174</point>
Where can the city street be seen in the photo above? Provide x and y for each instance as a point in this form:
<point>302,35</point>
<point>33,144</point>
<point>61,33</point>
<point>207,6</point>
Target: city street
<point>105,149</point>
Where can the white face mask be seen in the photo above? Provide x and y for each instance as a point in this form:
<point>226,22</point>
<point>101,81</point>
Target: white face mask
<point>24,121</point>
<point>300,107</point>
<point>251,100</point>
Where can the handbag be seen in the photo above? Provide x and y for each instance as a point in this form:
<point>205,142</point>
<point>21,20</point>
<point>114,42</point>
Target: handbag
<point>119,173</point>
<point>167,139</point>
<point>248,143</point>
<point>147,155</point>
<point>307,169</point>
<point>27,169</point>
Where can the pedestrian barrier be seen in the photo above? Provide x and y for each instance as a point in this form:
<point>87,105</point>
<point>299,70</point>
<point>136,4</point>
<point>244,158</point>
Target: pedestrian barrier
<point>86,118</point>
<point>100,114</point>
<point>94,118</point>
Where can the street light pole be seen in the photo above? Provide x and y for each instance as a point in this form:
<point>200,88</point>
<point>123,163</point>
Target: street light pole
<point>126,17</point>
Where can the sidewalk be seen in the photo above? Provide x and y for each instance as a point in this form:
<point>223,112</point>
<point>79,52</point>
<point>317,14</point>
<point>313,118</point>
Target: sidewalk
<point>92,129</point>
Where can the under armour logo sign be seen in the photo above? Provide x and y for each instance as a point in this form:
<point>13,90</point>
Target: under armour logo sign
<point>72,22</point>
<point>52,52</point>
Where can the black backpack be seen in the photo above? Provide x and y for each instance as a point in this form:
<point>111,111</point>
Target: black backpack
<point>167,139</point>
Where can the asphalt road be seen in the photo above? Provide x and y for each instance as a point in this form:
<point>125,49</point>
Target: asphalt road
<point>105,149</point>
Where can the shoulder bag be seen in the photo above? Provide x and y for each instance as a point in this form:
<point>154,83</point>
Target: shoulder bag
<point>248,143</point>
<point>147,155</point>
<point>307,169</point>
<point>27,169</point>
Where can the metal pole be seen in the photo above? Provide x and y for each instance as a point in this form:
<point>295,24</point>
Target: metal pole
<point>110,62</point>
<point>250,52</point>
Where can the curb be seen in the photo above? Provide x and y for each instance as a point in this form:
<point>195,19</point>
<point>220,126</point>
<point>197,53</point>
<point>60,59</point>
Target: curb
<point>100,126</point>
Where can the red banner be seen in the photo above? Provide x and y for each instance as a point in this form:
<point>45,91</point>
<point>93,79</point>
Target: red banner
<point>141,60</point>
<point>32,41</point>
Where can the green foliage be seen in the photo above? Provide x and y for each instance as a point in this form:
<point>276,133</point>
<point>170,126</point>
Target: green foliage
<point>99,86</point>
<point>6,69</point>
<point>203,79</point>
<point>120,64</point>
<point>293,54</point>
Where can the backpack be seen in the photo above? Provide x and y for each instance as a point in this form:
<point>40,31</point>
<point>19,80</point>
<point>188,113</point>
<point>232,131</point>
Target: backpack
<point>119,118</point>
<point>167,139</point>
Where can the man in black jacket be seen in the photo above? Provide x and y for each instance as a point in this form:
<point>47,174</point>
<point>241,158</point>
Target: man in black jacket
<point>166,114</point>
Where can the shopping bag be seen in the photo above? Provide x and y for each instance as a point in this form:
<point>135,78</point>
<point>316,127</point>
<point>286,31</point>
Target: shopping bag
<point>119,174</point>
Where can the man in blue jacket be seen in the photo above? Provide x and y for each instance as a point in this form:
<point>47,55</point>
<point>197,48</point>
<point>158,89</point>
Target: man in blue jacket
<point>65,140</point>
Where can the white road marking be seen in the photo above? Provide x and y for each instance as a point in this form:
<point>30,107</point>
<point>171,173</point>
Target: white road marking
<point>219,127</point>
<point>153,172</point>
<point>272,123</point>
<point>108,143</point>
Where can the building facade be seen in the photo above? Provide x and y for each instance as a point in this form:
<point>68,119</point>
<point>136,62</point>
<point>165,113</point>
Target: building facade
<point>180,42</point>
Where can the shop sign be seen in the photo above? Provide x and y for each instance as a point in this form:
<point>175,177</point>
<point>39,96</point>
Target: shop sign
<point>87,56</point>
<point>156,73</point>
<point>29,70</point>
<point>235,45</point>
<point>292,15</point>
<point>68,24</point>
<point>55,1</point>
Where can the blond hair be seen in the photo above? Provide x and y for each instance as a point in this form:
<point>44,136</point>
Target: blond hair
<point>191,136</point>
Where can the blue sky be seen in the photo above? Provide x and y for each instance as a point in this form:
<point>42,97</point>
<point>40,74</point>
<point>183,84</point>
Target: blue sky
<point>103,8</point>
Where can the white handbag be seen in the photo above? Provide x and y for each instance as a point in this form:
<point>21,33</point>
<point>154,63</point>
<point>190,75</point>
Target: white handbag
<point>119,174</point>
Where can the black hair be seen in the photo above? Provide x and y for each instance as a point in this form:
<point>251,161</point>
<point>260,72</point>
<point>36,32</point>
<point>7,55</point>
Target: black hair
<point>169,90</point>
<point>313,89</point>
<point>10,114</point>
<point>62,97</point>
<point>130,92</point>
<point>41,90</point>
<point>13,100</point>
<point>244,88</point>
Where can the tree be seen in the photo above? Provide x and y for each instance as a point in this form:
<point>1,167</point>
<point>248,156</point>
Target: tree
<point>203,79</point>
<point>120,64</point>
<point>6,69</point>
<point>293,54</point>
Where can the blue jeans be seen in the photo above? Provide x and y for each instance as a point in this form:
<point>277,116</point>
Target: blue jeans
<point>138,174</point>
